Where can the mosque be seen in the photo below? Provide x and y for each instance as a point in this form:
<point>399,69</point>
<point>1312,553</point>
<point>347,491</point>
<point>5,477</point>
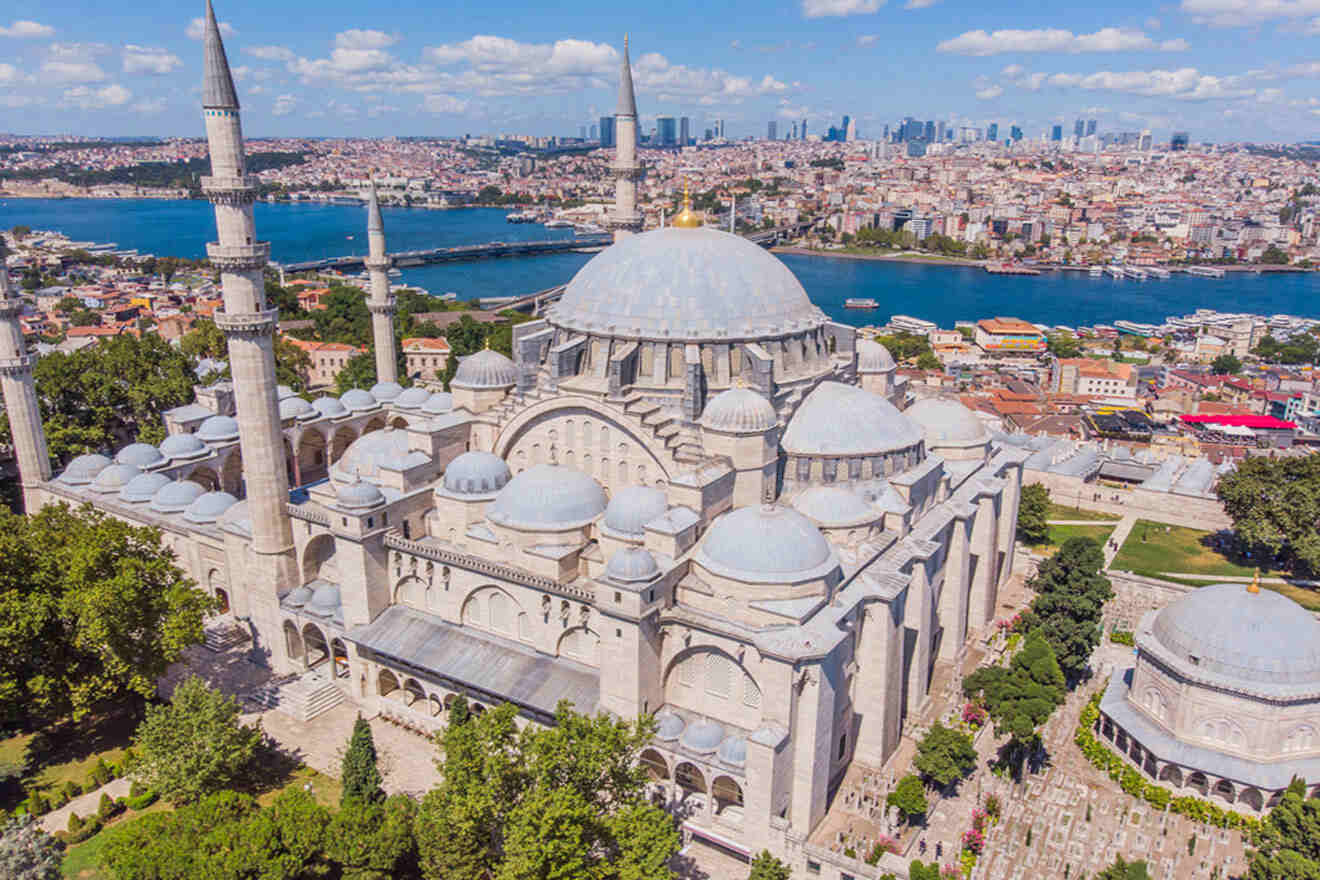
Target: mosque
<point>689,493</point>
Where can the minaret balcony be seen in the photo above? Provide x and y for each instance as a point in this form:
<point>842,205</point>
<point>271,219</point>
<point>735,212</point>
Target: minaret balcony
<point>389,307</point>
<point>377,263</point>
<point>238,257</point>
<point>231,190</point>
<point>248,323</point>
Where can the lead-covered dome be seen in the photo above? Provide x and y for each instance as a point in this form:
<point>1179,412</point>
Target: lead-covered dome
<point>476,473</point>
<point>176,497</point>
<point>548,496</point>
<point>218,429</point>
<point>947,422</point>
<point>83,469</point>
<point>689,284</point>
<point>438,403</point>
<point>386,448</point>
<point>359,495</point>
<point>632,564</point>
<point>358,400</point>
<point>144,455</point>
<point>115,477</point>
<point>872,357</point>
<point>1251,638</point>
<point>209,507</point>
<point>832,506</point>
<point>632,507</point>
<point>838,419</point>
<point>329,407</point>
<point>767,543</point>
<point>296,408</point>
<point>739,411</point>
<point>485,369</point>
<point>386,391</point>
<point>141,488</point>
<point>180,447</point>
<point>412,398</point>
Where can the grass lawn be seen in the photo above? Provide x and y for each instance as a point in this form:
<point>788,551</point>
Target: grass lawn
<point>1152,548</point>
<point>70,751</point>
<point>1063,511</point>
<point>1058,534</point>
<point>327,790</point>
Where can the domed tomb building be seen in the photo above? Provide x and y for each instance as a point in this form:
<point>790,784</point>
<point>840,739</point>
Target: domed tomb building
<point>688,494</point>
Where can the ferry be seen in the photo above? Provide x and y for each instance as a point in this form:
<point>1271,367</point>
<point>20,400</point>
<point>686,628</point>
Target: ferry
<point>1096,271</point>
<point>558,224</point>
<point>1135,273</point>
<point>588,229</point>
<point>521,217</point>
<point>1158,271</point>
<point>1205,271</point>
<point>1116,271</point>
<point>860,303</point>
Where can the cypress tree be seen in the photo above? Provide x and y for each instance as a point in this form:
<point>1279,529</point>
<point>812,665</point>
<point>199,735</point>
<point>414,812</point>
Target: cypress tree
<point>360,778</point>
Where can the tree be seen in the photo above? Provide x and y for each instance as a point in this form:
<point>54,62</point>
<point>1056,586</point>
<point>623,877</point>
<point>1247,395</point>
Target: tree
<point>68,305</point>
<point>194,745</point>
<point>1275,506</point>
<point>766,867</point>
<point>928,361</point>
<point>1071,593</point>
<point>1033,514</point>
<point>1124,870</point>
<point>1288,844</point>
<point>359,372</point>
<point>91,609</point>
<point>206,340</point>
<point>944,754</point>
<point>1226,364</point>
<point>909,797</point>
<point>374,841</point>
<point>1021,697</point>
<point>1273,256</point>
<point>1064,345</point>
<point>359,777</point>
<point>27,852</point>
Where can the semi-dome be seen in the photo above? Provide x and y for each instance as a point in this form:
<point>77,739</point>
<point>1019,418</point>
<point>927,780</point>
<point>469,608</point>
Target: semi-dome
<point>218,429</point>
<point>209,507</point>
<point>298,596</point>
<point>386,448</point>
<point>141,488</point>
<point>115,477</point>
<point>386,391</point>
<point>181,447</point>
<point>476,473</point>
<point>325,601</point>
<point>144,455</point>
<point>412,398</point>
<point>688,284</point>
<point>485,369</point>
<point>703,736</point>
<point>283,391</point>
<point>833,506</point>
<point>838,419</point>
<point>83,469</point>
<point>765,543</point>
<point>1252,638</point>
<point>438,403</point>
<point>548,496</point>
<point>329,407</point>
<point>175,497</point>
<point>739,411</point>
<point>632,564</point>
<point>359,495</point>
<point>733,751</point>
<point>296,408</point>
<point>668,726</point>
<point>357,400</point>
<point>632,507</point>
<point>947,422</point>
<point>872,357</point>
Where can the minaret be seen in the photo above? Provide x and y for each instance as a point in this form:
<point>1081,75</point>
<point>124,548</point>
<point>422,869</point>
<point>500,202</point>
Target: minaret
<point>381,302</point>
<point>626,219</point>
<point>21,395</point>
<point>247,322</point>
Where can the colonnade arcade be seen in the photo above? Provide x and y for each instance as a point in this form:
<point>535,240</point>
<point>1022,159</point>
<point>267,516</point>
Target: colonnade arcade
<point>693,789</point>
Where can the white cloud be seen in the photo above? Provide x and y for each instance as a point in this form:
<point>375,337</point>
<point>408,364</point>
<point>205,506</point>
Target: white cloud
<point>284,105</point>
<point>87,98</point>
<point>1110,39</point>
<point>8,73</point>
<point>364,39</point>
<point>1013,70</point>
<point>919,4</point>
<point>867,40</point>
<point>270,53</point>
<point>57,71</point>
<point>1187,84</point>
<point>444,104</point>
<point>1177,45</point>
<point>196,29</point>
<point>836,8</point>
<point>990,93</point>
<point>147,59</point>
<point>381,110</point>
<point>149,106</point>
<point>24,30</point>
<point>359,60</point>
<point>1239,13</point>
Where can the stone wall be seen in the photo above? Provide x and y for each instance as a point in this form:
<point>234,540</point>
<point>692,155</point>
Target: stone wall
<point>1181,510</point>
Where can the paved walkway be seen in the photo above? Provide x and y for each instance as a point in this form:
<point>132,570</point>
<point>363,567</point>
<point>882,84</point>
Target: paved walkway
<point>84,805</point>
<point>1239,579</point>
<point>1098,523</point>
<point>1118,536</point>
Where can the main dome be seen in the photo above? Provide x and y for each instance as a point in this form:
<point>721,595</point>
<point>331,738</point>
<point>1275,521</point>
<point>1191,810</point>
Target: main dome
<point>691,284</point>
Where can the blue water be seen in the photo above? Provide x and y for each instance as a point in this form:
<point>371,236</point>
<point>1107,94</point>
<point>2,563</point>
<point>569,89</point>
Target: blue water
<point>938,293</point>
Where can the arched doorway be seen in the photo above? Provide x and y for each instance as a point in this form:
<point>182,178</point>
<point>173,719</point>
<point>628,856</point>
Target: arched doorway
<point>376,424</point>
<point>339,651</point>
<point>399,422</point>
<point>1198,781</point>
<point>293,643</point>
<point>1225,790</point>
<point>654,764</point>
<point>223,598</point>
<point>318,559</point>
<point>1171,773</point>
<point>1253,798</point>
<point>387,684</point>
<point>728,795</point>
<point>317,649</point>
<point>412,692</point>
<point>689,779</point>
<point>343,438</point>
<point>311,456</point>
<point>206,478</point>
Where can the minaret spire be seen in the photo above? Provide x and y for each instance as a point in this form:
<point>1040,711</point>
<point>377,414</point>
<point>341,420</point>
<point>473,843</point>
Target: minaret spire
<point>381,301</point>
<point>20,395</point>
<point>217,83</point>
<point>626,219</point>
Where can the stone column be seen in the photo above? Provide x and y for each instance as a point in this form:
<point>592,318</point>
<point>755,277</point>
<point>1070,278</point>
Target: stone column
<point>20,395</point>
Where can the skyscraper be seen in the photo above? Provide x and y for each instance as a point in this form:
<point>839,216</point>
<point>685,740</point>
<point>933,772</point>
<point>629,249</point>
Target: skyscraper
<point>930,131</point>
<point>1090,127</point>
<point>992,131</point>
<point>795,135</point>
<point>941,131</point>
<point>582,132</point>
<point>1015,133</point>
<point>666,129</point>
<point>849,129</point>
<point>719,128</point>
<point>595,132</point>
<point>684,131</point>
<point>804,129</point>
<point>1079,128</point>
<point>607,131</point>
<point>771,130</point>
<point>1144,141</point>
<point>1057,133</point>
<point>1178,143</point>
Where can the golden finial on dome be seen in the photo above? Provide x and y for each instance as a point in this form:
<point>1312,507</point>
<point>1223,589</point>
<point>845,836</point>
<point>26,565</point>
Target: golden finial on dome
<point>1254,586</point>
<point>686,218</point>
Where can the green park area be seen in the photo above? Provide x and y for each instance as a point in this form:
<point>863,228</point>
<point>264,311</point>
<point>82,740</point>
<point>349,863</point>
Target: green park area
<point>1065,512</point>
<point>1059,534</point>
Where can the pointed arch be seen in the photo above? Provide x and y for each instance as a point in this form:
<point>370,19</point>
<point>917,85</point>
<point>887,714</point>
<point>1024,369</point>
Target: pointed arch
<point>231,474</point>
<point>343,438</point>
<point>581,644</point>
<point>318,559</point>
<point>316,649</point>
<point>312,463</point>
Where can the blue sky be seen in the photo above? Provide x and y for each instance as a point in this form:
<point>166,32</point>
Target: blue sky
<point>1222,69</point>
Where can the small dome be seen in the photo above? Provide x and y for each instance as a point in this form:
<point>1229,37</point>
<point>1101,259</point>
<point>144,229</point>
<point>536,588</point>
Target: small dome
<point>144,455</point>
<point>872,357</point>
<point>739,411</point>
<point>703,736</point>
<point>548,496</point>
<point>838,419</point>
<point>83,469</point>
<point>209,507</point>
<point>180,447</point>
<point>476,473</point>
<point>386,391</point>
<point>947,423</point>
<point>485,369</point>
<point>297,597</point>
<point>632,564</point>
<point>359,496</point>
<point>632,507</point>
<point>141,488</point>
<point>329,407</point>
<point>176,497</point>
<point>438,403</point>
<point>835,506</point>
<point>765,543</point>
<point>325,601</point>
<point>412,398</point>
<point>733,751</point>
<point>115,477</point>
<point>296,408</point>
<point>218,429</point>
<point>387,448</point>
<point>357,400</point>
<point>237,516</point>
<point>284,391</point>
<point>668,726</point>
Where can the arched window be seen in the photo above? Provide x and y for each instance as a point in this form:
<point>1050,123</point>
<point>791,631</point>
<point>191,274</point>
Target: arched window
<point>719,675</point>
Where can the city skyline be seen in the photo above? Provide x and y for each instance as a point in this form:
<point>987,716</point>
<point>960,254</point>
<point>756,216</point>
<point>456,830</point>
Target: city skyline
<point>1227,70</point>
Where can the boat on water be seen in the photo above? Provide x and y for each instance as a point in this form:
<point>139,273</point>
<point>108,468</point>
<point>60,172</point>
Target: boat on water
<point>1158,271</point>
<point>558,223</point>
<point>588,229</point>
<point>521,217</point>
<point>1007,268</point>
<point>1205,271</point>
<point>859,302</point>
<point>1096,271</point>
<point>1134,273</point>
<point>1116,272</point>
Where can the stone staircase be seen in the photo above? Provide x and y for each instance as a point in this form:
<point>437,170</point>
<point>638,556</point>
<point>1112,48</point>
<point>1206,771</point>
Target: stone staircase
<point>301,697</point>
<point>682,441</point>
<point>222,635</point>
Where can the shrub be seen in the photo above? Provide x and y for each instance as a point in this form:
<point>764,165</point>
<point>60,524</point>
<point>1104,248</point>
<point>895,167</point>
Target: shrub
<point>58,799</point>
<point>137,789</point>
<point>106,806</point>
<point>71,789</point>
<point>142,801</point>
<point>992,807</point>
<point>879,848</point>
<point>38,804</point>
<point>1121,637</point>
<point>75,822</point>
<point>88,830</point>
